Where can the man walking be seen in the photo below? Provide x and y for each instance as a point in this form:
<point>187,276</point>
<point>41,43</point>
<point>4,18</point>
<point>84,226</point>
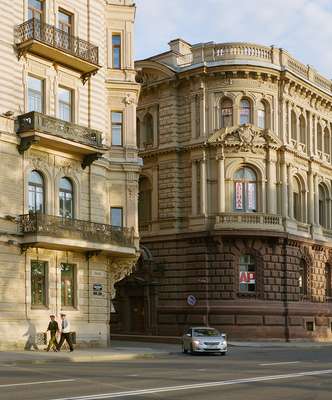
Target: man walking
<point>53,327</point>
<point>65,333</point>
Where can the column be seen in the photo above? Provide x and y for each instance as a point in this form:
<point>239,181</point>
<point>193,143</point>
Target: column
<point>155,191</point>
<point>193,115</point>
<point>314,133</point>
<point>202,100</point>
<point>203,187</point>
<point>289,113</point>
<point>271,188</point>
<point>310,134</point>
<point>284,198</point>
<point>194,187</point>
<point>290,192</point>
<point>316,199</point>
<point>311,198</point>
<point>284,122</point>
<point>221,184</point>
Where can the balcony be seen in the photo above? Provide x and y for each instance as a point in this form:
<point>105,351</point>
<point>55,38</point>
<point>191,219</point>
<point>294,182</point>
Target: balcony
<point>58,233</point>
<point>49,42</point>
<point>244,221</point>
<point>59,135</point>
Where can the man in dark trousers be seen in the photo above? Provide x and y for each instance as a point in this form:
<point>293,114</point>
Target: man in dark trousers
<point>65,333</point>
<point>53,327</point>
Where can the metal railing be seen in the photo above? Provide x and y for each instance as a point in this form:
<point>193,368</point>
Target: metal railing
<point>35,29</point>
<point>75,229</point>
<point>57,127</point>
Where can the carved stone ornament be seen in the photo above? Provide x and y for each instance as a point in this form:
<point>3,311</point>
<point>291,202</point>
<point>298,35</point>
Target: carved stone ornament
<point>119,269</point>
<point>246,138</point>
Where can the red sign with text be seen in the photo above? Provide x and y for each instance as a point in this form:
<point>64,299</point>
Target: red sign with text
<point>247,277</point>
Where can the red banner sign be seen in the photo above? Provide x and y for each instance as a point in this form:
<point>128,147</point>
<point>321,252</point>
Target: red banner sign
<point>247,277</point>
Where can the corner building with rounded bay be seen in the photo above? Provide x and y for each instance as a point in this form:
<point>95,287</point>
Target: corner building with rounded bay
<point>235,192</point>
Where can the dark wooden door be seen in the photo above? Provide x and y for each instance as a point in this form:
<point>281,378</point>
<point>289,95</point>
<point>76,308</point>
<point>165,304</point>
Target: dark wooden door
<point>137,322</point>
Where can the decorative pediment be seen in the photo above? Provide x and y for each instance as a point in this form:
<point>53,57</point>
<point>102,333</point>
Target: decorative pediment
<point>247,138</point>
<point>152,71</point>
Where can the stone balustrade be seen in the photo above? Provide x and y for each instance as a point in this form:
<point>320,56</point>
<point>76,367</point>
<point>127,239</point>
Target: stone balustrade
<point>212,52</point>
<point>255,219</point>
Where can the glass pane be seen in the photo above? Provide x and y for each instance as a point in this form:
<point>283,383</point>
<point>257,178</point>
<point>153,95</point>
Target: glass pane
<point>32,199</point>
<point>64,95</point>
<point>116,216</point>
<point>238,196</point>
<point>67,285</point>
<point>36,178</point>
<point>116,40</point>
<point>261,119</point>
<point>38,4</point>
<point>38,284</point>
<point>116,117</point>
<point>251,196</point>
<point>116,57</point>
<point>66,184</point>
<point>35,94</point>
<point>35,84</point>
<point>239,174</point>
<point>116,135</point>
<point>63,17</point>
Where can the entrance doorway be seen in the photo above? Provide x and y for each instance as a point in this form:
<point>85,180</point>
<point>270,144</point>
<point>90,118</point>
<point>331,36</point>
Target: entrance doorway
<point>137,320</point>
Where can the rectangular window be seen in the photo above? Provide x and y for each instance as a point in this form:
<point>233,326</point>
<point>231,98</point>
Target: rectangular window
<point>67,285</point>
<point>328,284</point>
<point>65,24</point>
<point>117,217</point>
<point>38,283</point>
<point>35,9</point>
<point>238,196</point>
<point>117,128</point>
<point>35,94</point>
<point>247,274</point>
<point>65,106</point>
<point>116,51</point>
<point>296,206</point>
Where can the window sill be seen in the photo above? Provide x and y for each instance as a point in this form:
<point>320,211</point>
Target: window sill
<point>39,307</point>
<point>69,308</point>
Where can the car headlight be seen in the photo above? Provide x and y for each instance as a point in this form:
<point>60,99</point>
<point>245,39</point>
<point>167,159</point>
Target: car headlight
<point>197,342</point>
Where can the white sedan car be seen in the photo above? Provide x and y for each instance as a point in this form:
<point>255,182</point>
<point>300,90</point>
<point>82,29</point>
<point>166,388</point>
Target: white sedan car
<point>204,340</point>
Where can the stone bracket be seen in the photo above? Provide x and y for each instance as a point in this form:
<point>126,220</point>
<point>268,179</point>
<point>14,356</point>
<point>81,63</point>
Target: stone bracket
<point>90,158</point>
<point>26,143</point>
<point>87,76</point>
<point>90,254</point>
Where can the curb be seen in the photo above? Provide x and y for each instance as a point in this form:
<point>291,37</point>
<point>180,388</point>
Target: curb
<point>83,358</point>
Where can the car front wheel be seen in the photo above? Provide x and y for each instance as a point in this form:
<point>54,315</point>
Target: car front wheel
<point>184,350</point>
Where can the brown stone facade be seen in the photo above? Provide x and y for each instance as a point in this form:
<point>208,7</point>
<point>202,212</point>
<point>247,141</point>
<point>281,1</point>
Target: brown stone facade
<point>207,267</point>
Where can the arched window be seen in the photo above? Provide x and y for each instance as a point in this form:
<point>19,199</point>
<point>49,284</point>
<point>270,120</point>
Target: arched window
<point>293,126</point>
<point>319,138</point>
<point>36,192</point>
<point>247,274</point>
<point>138,133</point>
<point>327,141</point>
<point>302,130</point>
<point>148,127</point>
<point>66,201</point>
<point>245,112</point>
<point>322,206</point>
<point>262,115</point>
<point>245,190</point>
<point>303,279</point>
<point>144,203</point>
<point>226,113</point>
<point>297,199</point>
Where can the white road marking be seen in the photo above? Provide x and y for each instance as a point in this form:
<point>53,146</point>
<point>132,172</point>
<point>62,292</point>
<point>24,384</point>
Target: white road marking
<point>37,383</point>
<point>133,375</point>
<point>196,386</point>
<point>201,370</point>
<point>280,363</point>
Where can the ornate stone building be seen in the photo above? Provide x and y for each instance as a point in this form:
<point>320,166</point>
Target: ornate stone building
<point>69,164</point>
<point>235,193</point>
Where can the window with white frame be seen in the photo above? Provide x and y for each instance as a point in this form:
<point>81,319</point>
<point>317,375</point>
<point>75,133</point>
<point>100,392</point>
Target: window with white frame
<point>65,104</point>
<point>35,94</point>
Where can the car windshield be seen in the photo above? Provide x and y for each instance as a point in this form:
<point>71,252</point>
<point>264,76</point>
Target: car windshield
<point>206,332</point>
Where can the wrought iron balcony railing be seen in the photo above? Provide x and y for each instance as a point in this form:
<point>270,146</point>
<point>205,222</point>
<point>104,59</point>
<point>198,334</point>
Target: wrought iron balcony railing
<point>35,29</point>
<point>34,121</point>
<point>74,229</point>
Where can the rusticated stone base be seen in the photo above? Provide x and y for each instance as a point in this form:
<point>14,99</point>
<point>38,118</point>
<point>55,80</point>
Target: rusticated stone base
<point>207,267</point>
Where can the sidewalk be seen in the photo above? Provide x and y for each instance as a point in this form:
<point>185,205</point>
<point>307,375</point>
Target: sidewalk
<point>119,351</point>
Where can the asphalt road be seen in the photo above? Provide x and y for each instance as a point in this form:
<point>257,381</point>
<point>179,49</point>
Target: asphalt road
<point>245,373</point>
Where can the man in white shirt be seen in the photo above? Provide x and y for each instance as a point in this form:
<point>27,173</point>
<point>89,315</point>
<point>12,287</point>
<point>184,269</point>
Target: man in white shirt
<point>65,333</point>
